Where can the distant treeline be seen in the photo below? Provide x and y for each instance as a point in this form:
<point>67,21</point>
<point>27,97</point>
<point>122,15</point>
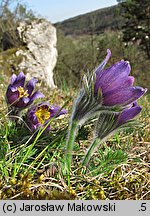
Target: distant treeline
<point>98,21</point>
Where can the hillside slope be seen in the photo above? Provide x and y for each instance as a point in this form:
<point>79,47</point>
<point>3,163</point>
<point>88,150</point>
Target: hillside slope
<point>97,22</point>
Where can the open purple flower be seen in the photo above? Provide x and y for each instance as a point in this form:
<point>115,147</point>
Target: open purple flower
<point>116,85</point>
<point>20,95</point>
<point>39,115</point>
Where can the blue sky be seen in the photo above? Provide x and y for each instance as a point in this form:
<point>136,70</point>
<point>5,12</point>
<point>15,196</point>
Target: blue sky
<point>58,10</point>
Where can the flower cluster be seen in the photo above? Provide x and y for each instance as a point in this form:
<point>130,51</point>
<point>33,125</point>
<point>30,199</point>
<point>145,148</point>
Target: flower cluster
<point>109,96</point>
<point>20,96</point>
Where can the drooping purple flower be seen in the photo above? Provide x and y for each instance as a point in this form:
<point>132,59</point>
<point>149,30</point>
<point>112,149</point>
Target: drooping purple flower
<point>109,122</point>
<point>116,85</point>
<point>128,114</point>
<point>20,95</point>
<point>40,114</point>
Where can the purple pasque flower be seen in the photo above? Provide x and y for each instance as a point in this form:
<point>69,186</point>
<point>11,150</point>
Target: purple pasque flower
<point>40,114</point>
<point>20,95</point>
<point>106,90</point>
<point>110,122</point>
<point>116,85</point>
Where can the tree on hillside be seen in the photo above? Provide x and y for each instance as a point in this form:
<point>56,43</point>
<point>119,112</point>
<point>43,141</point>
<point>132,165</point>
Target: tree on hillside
<point>137,25</point>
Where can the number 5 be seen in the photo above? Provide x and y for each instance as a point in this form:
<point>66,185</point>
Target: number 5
<point>143,206</point>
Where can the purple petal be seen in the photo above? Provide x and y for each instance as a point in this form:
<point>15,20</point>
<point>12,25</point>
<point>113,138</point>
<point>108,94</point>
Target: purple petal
<point>34,119</point>
<point>102,65</point>
<point>124,82</point>
<point>116,74</point>
<point>20,76</point>
<point>23,102</point>
<point>123,96</point>
<point>34,127</point>
<point>13,79</point>
<point>19,80</point>
<point>31,116</point>
<point>129,114</point>
<point>128,82</point>
<point>55,109</point>
<point>36,95</point>
<point>13,89</point>
<point>12,96</point>
<point>30,85</point>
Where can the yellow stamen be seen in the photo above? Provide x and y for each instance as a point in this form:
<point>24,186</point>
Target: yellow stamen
<point>42,115</point>
<point>22,92</point>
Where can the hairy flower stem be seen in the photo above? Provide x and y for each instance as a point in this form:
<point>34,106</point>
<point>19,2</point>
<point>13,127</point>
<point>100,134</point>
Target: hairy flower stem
<point>14,113</point>
<point>90,151</point>
<point>73,130</point>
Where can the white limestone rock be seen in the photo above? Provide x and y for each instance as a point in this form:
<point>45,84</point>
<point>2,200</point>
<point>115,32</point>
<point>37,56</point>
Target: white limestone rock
<point>40,55</point>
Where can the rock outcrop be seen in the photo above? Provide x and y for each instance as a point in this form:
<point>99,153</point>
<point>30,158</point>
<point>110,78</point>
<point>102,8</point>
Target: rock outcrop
<point>40,53</point>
